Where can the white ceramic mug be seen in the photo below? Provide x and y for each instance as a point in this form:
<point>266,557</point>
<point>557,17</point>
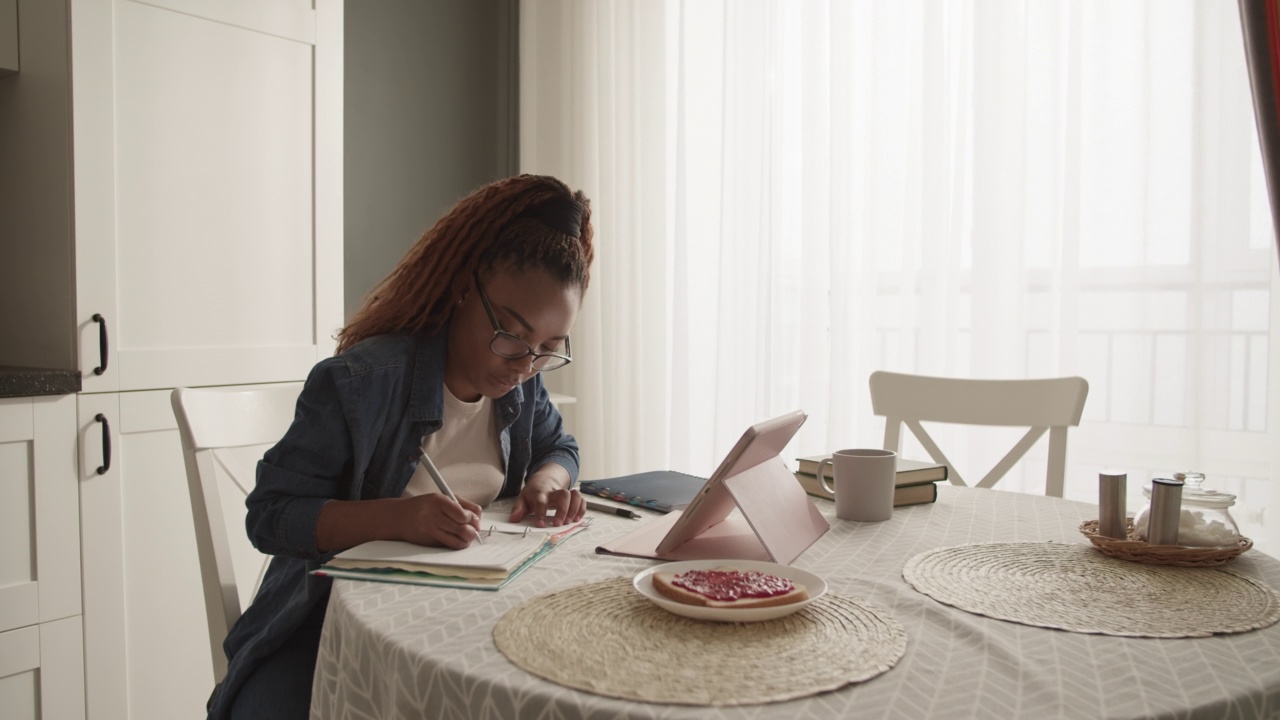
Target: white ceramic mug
<point>864,482</point>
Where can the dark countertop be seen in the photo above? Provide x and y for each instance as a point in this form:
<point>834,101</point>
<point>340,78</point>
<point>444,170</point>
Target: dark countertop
<point>27,381</point>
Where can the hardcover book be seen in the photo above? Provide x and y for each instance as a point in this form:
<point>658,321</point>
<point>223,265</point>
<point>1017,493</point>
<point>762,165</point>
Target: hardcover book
<point>919,493</point>
<point>910,472</point>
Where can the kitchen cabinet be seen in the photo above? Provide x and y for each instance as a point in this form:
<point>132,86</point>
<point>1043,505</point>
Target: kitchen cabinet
<point>171,191</point>
<point>171,205</point>
<point>207,176</point>
<point>146,642</point>
<point>41,650</point>
<point>208,194</point>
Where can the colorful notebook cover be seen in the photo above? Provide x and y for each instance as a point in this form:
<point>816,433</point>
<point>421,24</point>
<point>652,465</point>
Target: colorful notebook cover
<point>662,490</point>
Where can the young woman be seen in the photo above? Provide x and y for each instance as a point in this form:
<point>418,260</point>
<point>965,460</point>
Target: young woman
<point>444,357</point>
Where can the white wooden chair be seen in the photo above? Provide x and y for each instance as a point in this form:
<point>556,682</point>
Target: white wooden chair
<point>1052,404</point>
<point>224,433</point>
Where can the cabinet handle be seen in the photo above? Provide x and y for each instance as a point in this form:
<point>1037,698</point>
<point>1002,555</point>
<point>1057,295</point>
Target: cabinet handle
<point>106,444</point>
<point>102,344</point>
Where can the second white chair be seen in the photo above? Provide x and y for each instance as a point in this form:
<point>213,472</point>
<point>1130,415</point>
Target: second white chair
<point>1051,404</point>
<point>224,433</point>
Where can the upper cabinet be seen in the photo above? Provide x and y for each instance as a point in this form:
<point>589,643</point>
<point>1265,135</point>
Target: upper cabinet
<point>177,204</point>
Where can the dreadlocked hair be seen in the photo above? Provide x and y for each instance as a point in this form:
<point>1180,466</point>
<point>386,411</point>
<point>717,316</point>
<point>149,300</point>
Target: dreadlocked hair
<point>525,222</point>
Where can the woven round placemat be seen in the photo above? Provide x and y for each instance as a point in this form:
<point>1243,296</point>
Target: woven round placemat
<point>605,638</point>
<point>1071,587</point>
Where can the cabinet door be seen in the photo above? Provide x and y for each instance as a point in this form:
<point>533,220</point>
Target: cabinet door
<point>39,511</point>
<point>42,671</point>
<point>41,651</point>
<point>147,649</point>
<point>101,546</point>
<point>208,189</point>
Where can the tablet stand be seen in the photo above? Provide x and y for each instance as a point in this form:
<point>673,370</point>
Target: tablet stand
<point>777,522</point>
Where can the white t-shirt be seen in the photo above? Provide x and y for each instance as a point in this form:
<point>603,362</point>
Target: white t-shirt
<point>466,450</point>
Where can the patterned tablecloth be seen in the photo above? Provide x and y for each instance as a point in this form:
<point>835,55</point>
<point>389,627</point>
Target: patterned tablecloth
<point>396,651</point>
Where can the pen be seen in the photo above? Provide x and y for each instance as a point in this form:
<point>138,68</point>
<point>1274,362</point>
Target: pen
<point>622,512</point>
<point>439,480</point>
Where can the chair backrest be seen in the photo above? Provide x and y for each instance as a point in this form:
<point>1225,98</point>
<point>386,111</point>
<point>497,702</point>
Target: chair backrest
<point>224,432</point>
<point>1052,404</point>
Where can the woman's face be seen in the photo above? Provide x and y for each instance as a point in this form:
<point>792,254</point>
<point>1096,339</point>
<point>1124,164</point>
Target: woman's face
<point>531,305</point>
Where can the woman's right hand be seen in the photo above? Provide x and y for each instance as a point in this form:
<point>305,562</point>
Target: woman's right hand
<point>434,520</point>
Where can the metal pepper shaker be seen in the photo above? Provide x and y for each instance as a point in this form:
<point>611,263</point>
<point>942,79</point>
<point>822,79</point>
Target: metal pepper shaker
<point>1111,496</point>
<point>1166,511</point>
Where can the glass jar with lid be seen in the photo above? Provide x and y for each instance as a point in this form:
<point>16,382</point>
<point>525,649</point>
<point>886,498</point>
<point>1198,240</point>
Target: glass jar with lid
<point>1205,520</point>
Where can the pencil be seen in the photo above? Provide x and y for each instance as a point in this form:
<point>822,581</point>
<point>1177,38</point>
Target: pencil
<point>619,511</point>
<point>439,480</point>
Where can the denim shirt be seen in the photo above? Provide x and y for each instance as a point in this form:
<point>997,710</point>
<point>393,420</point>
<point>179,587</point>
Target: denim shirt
<point>355,435</point>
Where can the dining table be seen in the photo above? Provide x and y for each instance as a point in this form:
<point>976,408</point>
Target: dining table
<point>404,651</point>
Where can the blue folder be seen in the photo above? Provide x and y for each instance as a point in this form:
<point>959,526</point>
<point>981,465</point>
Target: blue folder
<point>662,490</point>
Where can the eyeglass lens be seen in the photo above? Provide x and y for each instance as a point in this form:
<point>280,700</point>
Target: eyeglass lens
<point>512,347</point>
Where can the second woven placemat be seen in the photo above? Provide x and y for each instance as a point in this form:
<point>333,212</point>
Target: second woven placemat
<point>606,639</point>
<point>1072,587</point>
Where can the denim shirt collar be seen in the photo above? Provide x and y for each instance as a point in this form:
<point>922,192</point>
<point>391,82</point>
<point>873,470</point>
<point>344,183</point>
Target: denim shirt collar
<point>426,398</point>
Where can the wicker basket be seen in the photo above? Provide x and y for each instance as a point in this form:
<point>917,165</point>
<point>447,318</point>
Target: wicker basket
<point>1138,550</point>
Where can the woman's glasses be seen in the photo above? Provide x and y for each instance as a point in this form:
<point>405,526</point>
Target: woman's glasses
<point>506,345</point>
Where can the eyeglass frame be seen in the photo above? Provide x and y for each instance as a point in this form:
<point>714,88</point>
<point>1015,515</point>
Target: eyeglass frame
<point>498,332</point>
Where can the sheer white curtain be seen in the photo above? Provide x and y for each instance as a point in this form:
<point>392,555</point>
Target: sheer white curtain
<point>791,195</point>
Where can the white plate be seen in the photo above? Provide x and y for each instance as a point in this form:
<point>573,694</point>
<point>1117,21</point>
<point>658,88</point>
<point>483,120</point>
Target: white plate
<point>815,585</point>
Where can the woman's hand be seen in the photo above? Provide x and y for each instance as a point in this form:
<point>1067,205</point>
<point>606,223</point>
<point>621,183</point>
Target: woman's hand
<point>434,520</point>
<point>431,519</point>
<point>546,489</point>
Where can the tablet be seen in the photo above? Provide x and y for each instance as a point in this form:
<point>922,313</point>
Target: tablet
<point>713,503</point>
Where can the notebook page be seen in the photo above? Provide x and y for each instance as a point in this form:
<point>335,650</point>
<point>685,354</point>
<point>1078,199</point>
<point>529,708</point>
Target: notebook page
<point>497,557</point>
<point>497,522</point>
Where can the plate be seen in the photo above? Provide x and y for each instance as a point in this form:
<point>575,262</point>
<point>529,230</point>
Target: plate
<point>816,586</point>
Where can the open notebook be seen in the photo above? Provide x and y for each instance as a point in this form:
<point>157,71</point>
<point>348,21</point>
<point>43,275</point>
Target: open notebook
<point>508,549</point>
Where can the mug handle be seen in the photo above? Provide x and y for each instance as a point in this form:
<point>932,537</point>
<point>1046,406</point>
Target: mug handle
<point>822,479</point>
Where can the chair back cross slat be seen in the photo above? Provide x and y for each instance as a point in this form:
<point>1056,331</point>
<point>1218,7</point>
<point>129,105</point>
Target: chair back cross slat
<point>1040,405</point>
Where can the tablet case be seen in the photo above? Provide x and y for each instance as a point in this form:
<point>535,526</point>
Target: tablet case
<point>775,521</point>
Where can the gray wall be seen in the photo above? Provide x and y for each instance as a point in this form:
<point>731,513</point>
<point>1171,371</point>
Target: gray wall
<point>430,114</point>
<point>37,263</point>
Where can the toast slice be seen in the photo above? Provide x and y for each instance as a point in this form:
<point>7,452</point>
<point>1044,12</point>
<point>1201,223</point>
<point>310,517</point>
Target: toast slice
<point>664,583</point>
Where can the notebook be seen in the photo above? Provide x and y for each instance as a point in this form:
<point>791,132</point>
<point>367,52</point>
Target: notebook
<point>508,549</point>
<point>663,490</point>
<point>751,508</point>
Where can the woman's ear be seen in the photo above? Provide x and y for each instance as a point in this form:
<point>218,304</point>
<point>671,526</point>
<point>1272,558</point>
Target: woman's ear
<point>460,293</point>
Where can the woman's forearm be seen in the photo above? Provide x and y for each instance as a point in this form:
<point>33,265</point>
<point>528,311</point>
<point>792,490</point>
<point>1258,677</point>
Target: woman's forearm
<point>344,524</point>
<point>556,472</point>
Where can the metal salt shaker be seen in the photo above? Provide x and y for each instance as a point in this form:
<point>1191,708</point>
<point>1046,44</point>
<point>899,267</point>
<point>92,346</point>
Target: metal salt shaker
<point>1111,494</point>
<point>1166,511</point>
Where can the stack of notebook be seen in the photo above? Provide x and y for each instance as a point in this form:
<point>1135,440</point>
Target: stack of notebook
<point>505,551</point>
<point>917,481</point>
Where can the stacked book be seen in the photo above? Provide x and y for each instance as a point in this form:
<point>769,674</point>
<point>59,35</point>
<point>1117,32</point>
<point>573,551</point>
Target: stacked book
<point>917,481</point>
